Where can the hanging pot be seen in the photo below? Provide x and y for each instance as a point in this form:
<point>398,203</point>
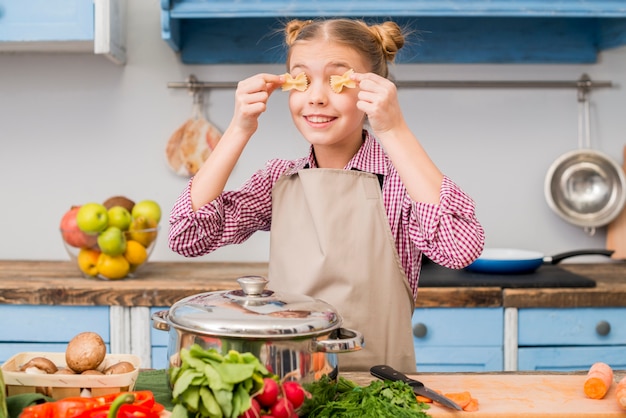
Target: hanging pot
<point>585,187</point>
<point>288,333</point>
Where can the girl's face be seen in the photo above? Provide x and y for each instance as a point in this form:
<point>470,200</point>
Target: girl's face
<point>328,120</point>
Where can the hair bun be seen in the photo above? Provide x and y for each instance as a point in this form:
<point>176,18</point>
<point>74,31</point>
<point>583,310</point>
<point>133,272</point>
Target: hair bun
<point>293,28</point>
<point>390,37</point>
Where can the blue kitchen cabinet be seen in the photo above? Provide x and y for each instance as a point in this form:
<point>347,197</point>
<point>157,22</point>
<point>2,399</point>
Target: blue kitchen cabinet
<point>458,339</point>
<point>48,328</point>
<point>571,338</point>
<point>452,31</point>
<point>158,344</point>
<point>95,26</point>
<point>26,21</point>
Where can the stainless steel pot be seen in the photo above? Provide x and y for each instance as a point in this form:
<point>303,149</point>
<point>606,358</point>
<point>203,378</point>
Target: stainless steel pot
<point>585,187</point>
<point>290,334</point>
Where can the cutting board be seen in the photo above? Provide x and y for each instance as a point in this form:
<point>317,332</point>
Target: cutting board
<point>523,395</point>
<point>616,231</point>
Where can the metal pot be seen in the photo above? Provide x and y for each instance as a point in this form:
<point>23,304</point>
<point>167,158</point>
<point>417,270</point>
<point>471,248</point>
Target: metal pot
<point>290,334</point>
<point>585,187</point>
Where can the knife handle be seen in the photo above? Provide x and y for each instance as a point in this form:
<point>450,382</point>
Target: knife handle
<point>389,373</point>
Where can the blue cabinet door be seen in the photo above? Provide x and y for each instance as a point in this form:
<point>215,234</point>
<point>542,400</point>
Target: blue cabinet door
<point>45,21</point>
<point>570,358</point>
<point>158,344</point>
<point>458,339</point>
<point>459,359</point>
<point>48,328</point>
<point>571,338</point>
<point>572,326</point>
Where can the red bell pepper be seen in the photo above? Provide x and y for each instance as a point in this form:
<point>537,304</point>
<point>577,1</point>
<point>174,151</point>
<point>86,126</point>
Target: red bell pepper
<point>139,404</point>
<point>66,408</point>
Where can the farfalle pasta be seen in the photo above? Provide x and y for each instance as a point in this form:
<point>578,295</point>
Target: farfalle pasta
<point>338,82</point>
<point>300,82</point>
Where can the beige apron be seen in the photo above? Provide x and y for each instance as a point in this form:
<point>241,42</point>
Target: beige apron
<point>330,239</point>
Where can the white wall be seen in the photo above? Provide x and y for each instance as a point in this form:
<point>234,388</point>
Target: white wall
<point>78,128</point>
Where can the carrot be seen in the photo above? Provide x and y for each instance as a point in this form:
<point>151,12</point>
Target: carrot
<point>621,393</point>
<point>472,406</point>
<point>463,399</point>
<point>319,361</point>
<point>598,381</point>
<point>460,398</point>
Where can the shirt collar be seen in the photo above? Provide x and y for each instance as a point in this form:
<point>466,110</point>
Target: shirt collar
<point>370,158</point>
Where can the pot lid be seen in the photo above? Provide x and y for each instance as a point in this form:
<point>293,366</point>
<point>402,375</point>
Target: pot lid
<point>253,312</point>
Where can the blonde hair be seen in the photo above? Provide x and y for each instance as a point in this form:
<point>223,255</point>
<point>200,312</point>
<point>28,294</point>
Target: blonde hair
<point>378,44</point>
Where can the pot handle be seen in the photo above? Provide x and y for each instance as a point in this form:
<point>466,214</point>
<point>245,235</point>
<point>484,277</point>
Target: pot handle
<point>159,322</point>
<point>341,340</point>
<point>556,259</point>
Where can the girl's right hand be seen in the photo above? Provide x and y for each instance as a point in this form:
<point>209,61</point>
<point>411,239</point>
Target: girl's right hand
<point>251,100</point>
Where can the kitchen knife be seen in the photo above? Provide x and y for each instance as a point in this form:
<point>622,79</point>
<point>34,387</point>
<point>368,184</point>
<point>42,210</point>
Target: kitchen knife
<point>389,373</point>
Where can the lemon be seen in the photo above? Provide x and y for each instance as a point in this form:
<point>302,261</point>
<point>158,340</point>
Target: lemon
<point>135,252</point>
<point>142,230</point>
<point>88,261</point>
<point>113,266</point>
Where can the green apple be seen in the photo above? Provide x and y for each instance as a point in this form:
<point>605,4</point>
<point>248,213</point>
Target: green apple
<point>92,218</point>
<point>119,216</point>
<point>112,241</point>
<point>147,209</point>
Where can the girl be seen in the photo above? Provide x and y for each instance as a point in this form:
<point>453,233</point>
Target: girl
<point>350,221</point>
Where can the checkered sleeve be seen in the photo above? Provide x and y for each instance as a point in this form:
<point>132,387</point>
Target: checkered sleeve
<point>229,219</point>
<point>448,233</point>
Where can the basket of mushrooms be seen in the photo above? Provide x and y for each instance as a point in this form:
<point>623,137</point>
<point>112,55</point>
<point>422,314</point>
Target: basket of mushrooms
<point>84,369</point>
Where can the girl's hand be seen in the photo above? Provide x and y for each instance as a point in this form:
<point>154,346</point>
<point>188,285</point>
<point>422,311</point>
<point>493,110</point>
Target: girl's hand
<point>378,98</point>
<point>251,100</point>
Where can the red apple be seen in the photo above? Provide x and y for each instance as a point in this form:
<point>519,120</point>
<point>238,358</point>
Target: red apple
<point>72,234</point>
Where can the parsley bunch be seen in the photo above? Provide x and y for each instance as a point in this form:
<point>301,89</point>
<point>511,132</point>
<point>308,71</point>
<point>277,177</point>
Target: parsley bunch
<point>345,399</point>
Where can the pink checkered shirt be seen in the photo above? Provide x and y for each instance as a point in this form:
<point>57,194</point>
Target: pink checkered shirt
<point>448,233</point>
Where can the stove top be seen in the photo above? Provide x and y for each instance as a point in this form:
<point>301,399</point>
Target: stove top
<point>434,275</point>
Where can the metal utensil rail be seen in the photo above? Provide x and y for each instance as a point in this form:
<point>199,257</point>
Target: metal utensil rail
<point>584,84</point>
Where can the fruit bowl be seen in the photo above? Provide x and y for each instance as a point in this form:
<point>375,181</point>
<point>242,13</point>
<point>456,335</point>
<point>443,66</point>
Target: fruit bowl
<point>110,240</point>
<point>94,263</point>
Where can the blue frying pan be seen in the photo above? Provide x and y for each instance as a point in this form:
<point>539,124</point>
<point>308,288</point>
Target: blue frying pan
<point>513,261</point>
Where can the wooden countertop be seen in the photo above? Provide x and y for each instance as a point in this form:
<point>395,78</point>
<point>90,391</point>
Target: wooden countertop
<point>25,282</point>
<point>518,394</point>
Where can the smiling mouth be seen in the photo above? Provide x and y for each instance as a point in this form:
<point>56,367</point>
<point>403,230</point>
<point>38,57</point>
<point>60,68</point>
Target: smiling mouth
<point>319,119</point>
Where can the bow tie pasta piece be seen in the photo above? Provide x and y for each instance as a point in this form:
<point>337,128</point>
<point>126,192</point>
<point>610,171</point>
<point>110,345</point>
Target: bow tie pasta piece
<point>338,82</point>
<point>300,83</point>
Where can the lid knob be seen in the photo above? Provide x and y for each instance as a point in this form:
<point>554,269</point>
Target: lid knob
<point>252,285</point>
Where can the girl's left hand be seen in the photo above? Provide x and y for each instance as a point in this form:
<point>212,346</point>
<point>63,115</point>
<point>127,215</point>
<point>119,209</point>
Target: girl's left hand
<point>378,98</point>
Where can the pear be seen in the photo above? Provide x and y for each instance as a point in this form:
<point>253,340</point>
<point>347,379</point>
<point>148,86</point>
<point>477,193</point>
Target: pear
<point>143,230</point>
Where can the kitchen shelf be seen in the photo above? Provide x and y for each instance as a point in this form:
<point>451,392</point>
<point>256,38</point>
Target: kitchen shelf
<point>454,31</point>
<point>76,26</point>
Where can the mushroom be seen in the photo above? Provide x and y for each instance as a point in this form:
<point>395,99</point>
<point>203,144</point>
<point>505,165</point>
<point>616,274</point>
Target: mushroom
<point>120,368</point>
<point>92,372</point>
<point>65,370</point>
<point>39,365</point>
<point>85,352</point>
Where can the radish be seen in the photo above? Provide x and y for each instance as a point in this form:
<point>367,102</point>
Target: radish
<point>254,411</point>
<point>282,408</point>
<point>294,393</point>
<point>269,394</point>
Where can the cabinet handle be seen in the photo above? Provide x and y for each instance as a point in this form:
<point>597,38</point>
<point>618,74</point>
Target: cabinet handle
<point>420,330</point>
<point>603,328</point>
